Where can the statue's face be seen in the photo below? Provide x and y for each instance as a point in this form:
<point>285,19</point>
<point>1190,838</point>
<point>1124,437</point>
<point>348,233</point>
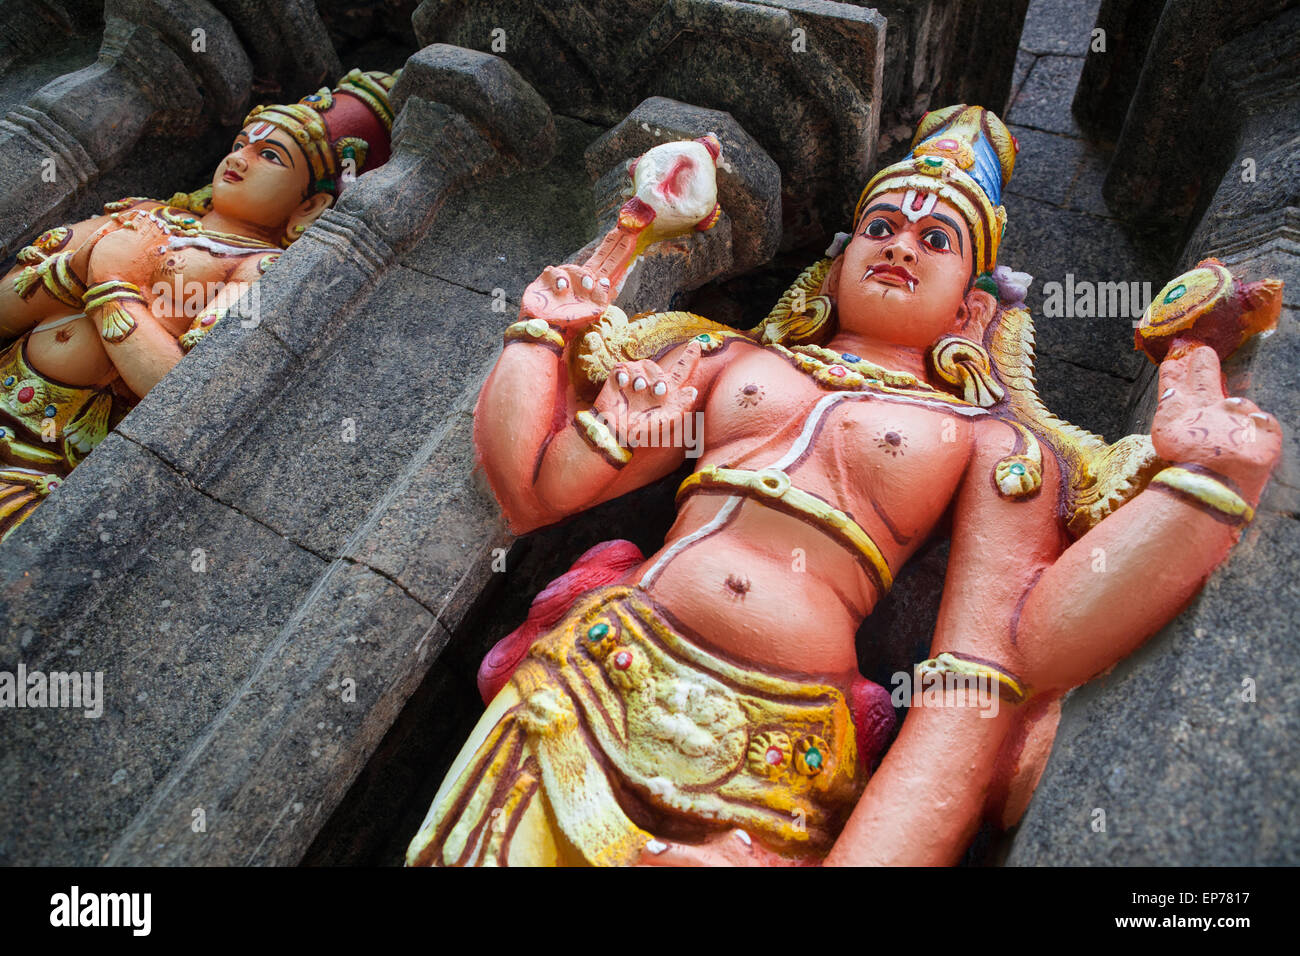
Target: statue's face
<point>903,281</point>
<point>263,179</point>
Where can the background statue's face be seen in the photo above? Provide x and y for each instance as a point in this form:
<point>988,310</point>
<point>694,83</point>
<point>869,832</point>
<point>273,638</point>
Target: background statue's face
<point>261,181</point>
<point>901,281</point>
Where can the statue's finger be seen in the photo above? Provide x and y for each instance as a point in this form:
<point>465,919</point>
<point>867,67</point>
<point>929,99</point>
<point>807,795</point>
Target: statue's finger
<point>686,365</point>
<point>1193,380</point>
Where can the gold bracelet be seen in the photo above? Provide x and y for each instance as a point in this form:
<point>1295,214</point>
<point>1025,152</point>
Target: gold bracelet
<point>1009,688</point>
<point>1208,491</point>
<point>535,330</point>
<point>599,437</point>
<point>56,275</point>
<point>116,323</point>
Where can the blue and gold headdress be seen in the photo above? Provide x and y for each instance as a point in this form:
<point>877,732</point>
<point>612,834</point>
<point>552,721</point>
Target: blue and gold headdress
<point>963,155</point>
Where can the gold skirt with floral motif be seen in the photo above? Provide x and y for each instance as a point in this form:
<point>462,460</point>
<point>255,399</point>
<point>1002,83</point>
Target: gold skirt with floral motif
<point>614,708</point>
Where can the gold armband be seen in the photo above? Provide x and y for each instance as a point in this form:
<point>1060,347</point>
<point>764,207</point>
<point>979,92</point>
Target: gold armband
<point>202,325</point>
<point>599,437</point>
<point>1009,688</point>
<point>56,275</point>
<point>115,322</point>
<point>1208,491</point>
<point>535,330</point>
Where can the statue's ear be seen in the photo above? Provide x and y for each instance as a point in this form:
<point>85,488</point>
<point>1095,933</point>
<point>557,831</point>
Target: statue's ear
<point>831,284</point>
<point>975,313</point>
<point>308,211</point>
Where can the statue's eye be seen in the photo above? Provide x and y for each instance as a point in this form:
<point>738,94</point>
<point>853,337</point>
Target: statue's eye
<point>878,229</point>
<point>272,155</point>
<point>938,239</point>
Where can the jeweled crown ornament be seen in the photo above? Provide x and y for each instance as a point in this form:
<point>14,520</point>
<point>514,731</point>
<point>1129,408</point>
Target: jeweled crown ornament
<point>964,155</point>
<point>343,132</point>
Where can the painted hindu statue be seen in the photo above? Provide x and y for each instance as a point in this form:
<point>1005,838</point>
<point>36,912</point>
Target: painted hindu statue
<point>96,313</point>
<point>704,705</point>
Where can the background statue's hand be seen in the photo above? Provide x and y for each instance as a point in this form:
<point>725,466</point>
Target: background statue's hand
<point>647,405</point>
<point>567,296</point>
<point>1195,422</point>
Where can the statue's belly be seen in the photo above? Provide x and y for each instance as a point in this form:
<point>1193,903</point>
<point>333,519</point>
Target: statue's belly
<point>767,589</point>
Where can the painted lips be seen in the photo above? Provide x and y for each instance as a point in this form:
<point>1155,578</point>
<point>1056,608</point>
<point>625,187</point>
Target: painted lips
<point>231,176</point>
<point>897,274</point>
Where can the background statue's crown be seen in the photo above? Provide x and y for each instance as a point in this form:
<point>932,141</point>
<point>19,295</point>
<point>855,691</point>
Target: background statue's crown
<point>966,155</point>
<point>350,124</point>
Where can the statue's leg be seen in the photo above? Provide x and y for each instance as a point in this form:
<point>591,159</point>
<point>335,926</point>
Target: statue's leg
<point>490,809</point>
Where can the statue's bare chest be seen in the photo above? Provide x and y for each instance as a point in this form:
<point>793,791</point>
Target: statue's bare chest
<point>847,446</point>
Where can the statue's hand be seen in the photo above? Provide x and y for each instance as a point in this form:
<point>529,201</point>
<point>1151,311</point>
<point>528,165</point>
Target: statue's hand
<point>646,405</point>
<point>1196,423</point>
<point>567,296</point>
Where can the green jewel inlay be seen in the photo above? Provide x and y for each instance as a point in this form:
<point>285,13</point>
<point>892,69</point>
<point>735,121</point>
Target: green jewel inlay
<point>597,632</point>
<point>1017,469</point>
<point>1176,292</point>
<point>813,758</point>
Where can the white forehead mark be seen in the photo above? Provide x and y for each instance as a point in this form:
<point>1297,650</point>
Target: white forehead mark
<point>927,207</point>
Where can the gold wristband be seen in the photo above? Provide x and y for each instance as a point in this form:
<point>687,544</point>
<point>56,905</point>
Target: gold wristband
<point>56,275</point>
<point>115,322</point>
<point>535,330</point>
<point>1208,491</point>
<point>599,437</point>
<point>1009,688</point>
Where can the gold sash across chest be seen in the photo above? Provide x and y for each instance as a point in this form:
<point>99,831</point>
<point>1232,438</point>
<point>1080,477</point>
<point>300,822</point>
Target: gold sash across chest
<point>772,487</point>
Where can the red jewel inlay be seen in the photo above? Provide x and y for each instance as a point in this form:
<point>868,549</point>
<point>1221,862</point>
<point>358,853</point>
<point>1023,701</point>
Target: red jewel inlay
<point>25,393</point>
<point>774,756</point>
<point>623,660</point>
<point>207,320</point>
<point>947,144</point>
<point>839,371</point>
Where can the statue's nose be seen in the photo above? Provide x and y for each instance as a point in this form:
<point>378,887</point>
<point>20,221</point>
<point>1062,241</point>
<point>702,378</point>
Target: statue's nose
<point>897,250</point>
<point>237,161</point>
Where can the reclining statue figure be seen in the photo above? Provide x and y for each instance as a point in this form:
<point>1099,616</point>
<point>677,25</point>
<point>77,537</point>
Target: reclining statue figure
<point>101,310</point>
<point>705,707</point>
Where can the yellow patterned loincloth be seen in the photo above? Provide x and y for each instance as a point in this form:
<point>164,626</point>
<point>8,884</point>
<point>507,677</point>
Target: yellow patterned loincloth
<point>46,429</point>
<point>613,700</point>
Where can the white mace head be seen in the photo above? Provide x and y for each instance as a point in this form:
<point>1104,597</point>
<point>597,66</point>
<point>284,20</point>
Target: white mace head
<point>679,182</point>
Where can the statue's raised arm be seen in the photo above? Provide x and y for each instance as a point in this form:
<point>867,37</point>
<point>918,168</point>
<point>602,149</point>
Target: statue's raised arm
<point>549,452</point>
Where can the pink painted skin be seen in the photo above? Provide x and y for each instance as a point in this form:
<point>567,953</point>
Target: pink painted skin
<point>1019,592</point>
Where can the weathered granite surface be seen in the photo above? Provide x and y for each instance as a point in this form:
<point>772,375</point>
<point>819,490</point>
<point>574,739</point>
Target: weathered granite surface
<point>803,77</point>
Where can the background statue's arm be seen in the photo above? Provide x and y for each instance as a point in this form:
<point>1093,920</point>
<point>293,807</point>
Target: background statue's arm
<point>132,321</point>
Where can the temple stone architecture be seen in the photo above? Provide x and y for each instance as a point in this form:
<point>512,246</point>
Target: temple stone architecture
<point>284,562</point>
